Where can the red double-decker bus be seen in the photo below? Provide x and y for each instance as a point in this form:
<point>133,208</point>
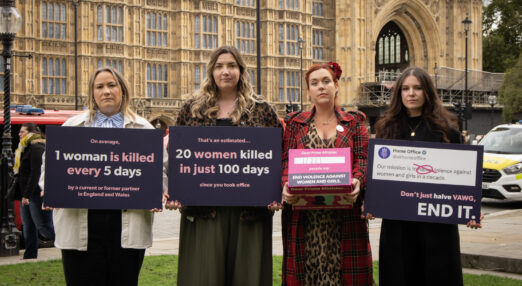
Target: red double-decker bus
<point>40,117</point>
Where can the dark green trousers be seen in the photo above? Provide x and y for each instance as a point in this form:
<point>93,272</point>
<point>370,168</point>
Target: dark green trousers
<point>225,250</point>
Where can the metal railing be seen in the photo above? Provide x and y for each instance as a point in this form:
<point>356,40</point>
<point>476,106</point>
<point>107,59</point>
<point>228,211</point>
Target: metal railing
<point>376,88</point>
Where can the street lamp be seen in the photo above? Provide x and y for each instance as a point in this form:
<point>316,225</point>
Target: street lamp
<point>492,99</point>
<point>258,45</point>
<point>75,4</point>
<point>468,105</point>
<point>301,41</point>
<point>10,23</point>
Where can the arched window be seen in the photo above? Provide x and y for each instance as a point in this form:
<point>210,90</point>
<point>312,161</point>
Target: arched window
<point>392,49</point>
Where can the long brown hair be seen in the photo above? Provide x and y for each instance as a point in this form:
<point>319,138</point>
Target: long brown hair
<point>205,99</point>
<point>436,117</point>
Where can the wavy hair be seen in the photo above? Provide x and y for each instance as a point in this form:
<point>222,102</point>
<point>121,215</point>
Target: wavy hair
<point>205,102</point>
<point>126,95</point>
<point>436,117</point>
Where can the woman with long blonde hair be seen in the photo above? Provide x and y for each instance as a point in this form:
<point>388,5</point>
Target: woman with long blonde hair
<point>225,245</point>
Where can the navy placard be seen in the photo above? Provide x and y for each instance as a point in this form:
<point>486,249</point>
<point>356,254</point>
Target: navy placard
<point>225,166</point>
<point>103,168</point>
<point>424,181</point>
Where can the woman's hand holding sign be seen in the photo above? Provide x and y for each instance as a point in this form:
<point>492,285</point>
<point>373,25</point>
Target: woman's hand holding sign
<point>164,200</point>
<point>356,189</point>
<point>172,205</point>
<point>287,197</point>
<point>275,206</point>
<point>474,224</point>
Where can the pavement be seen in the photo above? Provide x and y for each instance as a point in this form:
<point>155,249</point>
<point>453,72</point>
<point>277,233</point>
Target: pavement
<point>494,249</point>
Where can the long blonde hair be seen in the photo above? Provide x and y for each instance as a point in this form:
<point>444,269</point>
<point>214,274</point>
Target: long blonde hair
<point>126,95</point>
<point>206,98</point>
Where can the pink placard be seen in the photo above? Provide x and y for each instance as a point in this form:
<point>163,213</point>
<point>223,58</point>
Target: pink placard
<point>333,160</point>
<point>320,172</point>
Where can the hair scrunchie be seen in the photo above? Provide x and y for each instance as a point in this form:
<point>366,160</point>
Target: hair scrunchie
<point>336,69</point>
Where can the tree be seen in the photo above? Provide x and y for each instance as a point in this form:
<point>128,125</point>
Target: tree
<point>502,34</point>
<point>510,92</point>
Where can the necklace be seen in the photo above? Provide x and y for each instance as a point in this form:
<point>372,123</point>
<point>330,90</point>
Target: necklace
<point>412,134</point>
<point>230,108</point>
<point>328,121</point>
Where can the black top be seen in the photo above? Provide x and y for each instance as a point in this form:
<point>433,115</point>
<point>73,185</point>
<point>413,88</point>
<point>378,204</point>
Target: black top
<point>422,132</point>
<point>30,169</point>
<point>224,122</point>
<point>420,253</point>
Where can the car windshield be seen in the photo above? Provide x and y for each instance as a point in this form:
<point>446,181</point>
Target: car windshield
<point>503,140</point>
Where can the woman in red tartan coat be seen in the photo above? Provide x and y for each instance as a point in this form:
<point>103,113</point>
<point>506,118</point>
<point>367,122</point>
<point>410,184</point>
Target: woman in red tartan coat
<point>326,247</point>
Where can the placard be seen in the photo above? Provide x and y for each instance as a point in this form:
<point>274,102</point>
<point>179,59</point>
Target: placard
<point>103,168</point>
<point>320,177</point>
<point>424,181</point>
<point>319,171</point>
<point>225,166</point>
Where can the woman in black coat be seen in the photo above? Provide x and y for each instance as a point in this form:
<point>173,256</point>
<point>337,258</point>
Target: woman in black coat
<point>419,253</point>
<point>28,162</point>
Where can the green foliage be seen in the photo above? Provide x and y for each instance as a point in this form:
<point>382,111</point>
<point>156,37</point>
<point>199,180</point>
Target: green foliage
<point>510,92</point>
<point>277,270</point>
<point>470,279</point>
<point>162,270</point>
<point>497,55</point>
<point>502,34</point>
<point>33,273</point>
<point>159,270</point>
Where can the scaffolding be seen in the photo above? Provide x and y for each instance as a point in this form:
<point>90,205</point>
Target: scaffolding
<point>376,89</point>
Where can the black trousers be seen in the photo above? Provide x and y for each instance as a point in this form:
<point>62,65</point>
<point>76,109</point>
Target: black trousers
<point>419,253</point>
<point>105,262</point>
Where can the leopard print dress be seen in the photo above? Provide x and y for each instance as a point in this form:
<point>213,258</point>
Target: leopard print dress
<point>322,233</point>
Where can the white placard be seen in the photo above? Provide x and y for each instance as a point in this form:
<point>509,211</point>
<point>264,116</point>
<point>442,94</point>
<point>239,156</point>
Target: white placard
<point>425,165</point>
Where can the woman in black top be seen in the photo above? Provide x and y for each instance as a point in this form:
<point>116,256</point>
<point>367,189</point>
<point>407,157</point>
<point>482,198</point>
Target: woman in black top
<point>418,253</point>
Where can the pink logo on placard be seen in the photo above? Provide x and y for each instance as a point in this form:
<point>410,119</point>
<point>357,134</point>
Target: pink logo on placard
<point>424,169</point>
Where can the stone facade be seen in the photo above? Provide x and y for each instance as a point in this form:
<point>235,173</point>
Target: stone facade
<point>162,46</point>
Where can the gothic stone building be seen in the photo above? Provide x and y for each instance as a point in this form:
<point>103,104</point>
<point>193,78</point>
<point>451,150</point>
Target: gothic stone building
<point>162,46</point>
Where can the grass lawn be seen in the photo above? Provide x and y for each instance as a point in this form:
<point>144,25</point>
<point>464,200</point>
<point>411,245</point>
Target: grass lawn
<point>161,270</point>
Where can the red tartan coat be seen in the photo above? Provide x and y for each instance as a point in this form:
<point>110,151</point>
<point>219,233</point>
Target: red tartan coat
<point>355,245</point>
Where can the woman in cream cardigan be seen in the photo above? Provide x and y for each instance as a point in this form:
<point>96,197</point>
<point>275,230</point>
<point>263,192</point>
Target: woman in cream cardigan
<point>105,247</point>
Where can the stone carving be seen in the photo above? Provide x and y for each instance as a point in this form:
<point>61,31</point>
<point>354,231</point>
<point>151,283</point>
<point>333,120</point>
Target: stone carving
<point>209,6</point>
<point>435,6</point>
<point>421,32</point>
<point>54,46</point>
<point>157,53</point>
<point>379,3</point>
<point>240,11</point>
<point>292,15</point>
<point>32,100</point>
<point>114,49</point>
<point>160,3</point>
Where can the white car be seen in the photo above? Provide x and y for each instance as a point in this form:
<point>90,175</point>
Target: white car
<point>502,168</point>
